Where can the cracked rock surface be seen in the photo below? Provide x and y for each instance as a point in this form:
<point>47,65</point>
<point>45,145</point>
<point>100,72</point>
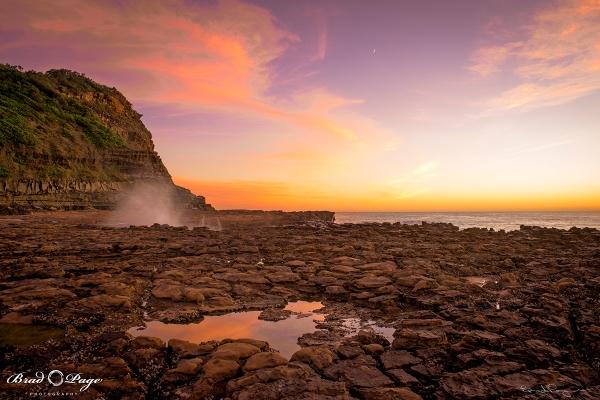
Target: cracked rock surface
<point>475,314</point>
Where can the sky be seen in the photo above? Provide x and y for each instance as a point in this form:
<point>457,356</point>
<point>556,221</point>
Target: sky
<point>346,105</point>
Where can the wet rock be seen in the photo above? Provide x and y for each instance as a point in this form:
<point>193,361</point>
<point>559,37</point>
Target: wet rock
<point>102,301</point>
<point>349,350</point>
<point>357,374</point>
<point>565,283</point>
<point>141,342</point>
<point>274,314</point>
<point>179,315</point>
<point>371,281</point>
<point>389,394</point>
<point>345,260</point>
<point>402,377</point>
<point>264,360</point>
<point>192,295</point>
<point>430,370</point>
<point>295,263</point>
<point>185,349</point>
<point>335,290</point>
<point>168,291</point>
<point>218,369</point>
<point>290,382</point>
<point>466,385</point>
<point>317,357</point>
<point>386,266</point>
<point>373,348</point>
<point>148,362</point>
<point>423,284</point>
<point>397,359</point>
<point>188,366</point>
<point>412,338</point>
<point>541,350</point>
<point>235,351</point>
<point>283,277</point>
<point>109,367</point>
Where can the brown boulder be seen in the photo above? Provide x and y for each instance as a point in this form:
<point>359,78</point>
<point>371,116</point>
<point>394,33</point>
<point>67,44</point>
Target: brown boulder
<point>357,374</point>
<point>283,277</point>
<point>218,369</point>
<point>389,394</point>
<point>235,351</point>
<point>193,295</point>
<point>371,282</point>
<point>318,357</point>
<point>396,359</point>
<point>185,349</point>
<point>264,360</point>
<point>411,338</point>
<point>188,366</point>
<point>168,291</point>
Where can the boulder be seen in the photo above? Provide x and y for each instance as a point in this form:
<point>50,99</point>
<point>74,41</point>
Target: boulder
<point>184,349</point>
<point>218,369</point>
<point>397,359</point>
<point>317,357</point>
<point>264,360</point>
<point>357,374</point>
<point>371,282</point>
<point>411,338</point>
<point>193,295</point>
<point>168,291</point>
<point>389,394</point>
<point>188,366</point>
<point>235,351</point>
<point>283,277</point>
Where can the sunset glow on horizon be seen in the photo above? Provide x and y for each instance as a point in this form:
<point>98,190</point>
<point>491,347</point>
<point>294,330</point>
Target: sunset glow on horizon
<point>346,105</point>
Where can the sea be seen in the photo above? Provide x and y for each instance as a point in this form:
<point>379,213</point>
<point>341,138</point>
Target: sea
<point>497,220</point>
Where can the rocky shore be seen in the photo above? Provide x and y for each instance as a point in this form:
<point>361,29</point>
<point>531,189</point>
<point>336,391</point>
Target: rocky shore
<point>475,314</point>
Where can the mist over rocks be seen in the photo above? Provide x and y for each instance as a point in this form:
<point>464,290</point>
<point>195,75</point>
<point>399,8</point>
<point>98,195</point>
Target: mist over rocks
<point>147,203</point>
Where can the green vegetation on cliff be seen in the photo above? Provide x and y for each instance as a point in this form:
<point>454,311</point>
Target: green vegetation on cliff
<point>32,102</point>
<point>62,125</point>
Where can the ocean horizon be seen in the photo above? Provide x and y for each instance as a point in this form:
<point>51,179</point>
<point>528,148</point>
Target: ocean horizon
<point>497,220</point>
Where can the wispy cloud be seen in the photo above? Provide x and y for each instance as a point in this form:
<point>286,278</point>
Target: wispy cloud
<point>418,174</point>
<point>211,55</point>
<point>557,59</point>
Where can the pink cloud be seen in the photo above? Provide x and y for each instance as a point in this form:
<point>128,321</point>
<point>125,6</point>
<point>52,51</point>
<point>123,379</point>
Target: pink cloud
<point>555,60</point>
<point>214,55</point>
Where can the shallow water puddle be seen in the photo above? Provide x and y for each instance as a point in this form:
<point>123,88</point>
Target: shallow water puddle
<point>281,335</point>
<point>354,325</point>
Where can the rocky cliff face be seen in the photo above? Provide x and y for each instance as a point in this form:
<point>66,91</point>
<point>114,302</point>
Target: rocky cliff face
<point>67,142</point>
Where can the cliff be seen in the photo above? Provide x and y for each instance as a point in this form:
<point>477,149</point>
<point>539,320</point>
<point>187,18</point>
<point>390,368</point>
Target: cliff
<point>67,142</point>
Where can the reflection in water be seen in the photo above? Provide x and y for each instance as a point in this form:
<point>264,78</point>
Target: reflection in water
<point>282,335</point>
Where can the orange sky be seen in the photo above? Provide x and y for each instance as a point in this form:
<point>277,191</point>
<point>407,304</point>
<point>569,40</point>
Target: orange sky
<point>279,196</point>
<point>340,105</point>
